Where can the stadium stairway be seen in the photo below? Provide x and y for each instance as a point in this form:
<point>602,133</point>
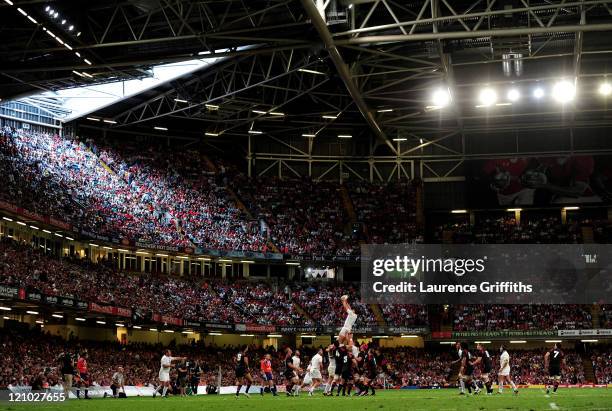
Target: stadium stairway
<point>589,372</point>
<point>303,312</point>
<point>380,318</point>
<point>101,162</point>
<point>177,226</point>
<point>595,311</point>
<point>211,166</point>
<point>348,204</point>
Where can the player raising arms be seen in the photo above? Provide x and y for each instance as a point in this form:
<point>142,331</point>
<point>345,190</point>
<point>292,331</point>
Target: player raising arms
<point>553,360</point>
<point>243,373</point>
<point>346,333</point>
<point>483,359</point>
<point>504,371</point>
<point>265,366</point>
<point>164,372</point>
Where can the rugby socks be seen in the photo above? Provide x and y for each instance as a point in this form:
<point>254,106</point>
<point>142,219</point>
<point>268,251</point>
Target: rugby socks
<point>462,386</point>
<point>238,390</point>
<point>489,386</point>
<point>513,385</point>
<point>247,388</point>
<point>555,386</point>
<point>340,388</point>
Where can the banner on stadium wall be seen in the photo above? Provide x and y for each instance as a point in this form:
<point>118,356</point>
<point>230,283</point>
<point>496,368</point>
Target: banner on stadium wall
<point>219,326</point>
<point>35,216</point>
<point>407,330</point>
<point>107,309</point>
<point>34,296</point>
<point>294,329</point>
<point>255,328</point>
<point>10,292</point>
<point>166,319</point>
<point>496,334</point>
<point>584,333</point>
<point>191,323</point>
<point>157,246</point>
<point>238,254</point>
<point>260,328</point>
<point>94,236</point>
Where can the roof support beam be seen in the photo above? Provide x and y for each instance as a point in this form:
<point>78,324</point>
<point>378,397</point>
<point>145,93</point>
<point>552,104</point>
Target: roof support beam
<point>343,71</point>
<point>394,38</point>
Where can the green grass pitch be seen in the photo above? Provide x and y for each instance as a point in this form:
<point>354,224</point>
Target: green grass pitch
<point>413,400</point>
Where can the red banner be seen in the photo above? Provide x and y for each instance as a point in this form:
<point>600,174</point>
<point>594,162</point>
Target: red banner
<point>107,309</point>
<point>260,328</point>
<point>166,319</point>
<point>442,334</point>
<point>35,216</point>
<point>104,309</point>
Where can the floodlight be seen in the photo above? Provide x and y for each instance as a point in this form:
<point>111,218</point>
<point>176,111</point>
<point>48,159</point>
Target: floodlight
<point>605,89</point>
<point>487,97</point>
<point>441,97</point>
<point>538,93</point>
<point>564,91</point>
<point>514,95</point>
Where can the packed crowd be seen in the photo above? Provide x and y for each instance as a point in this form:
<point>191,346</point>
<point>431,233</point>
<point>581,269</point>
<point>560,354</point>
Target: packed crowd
<point>387,210</point>
<point>261,304</point>
<point>239,302</point>
<point>166,196</point>
<point>406,366</point>
<point>177,186</point>
<point>323,305</point>
<point>305,218</point>
<point>505,230</point>
<point>249,301</point>
<point>23,266</point>
<point>406,315</point>
<point>602,366</point>
<point>521,317</point>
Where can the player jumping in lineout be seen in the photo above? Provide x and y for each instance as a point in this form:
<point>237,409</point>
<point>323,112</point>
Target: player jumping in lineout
<point>346,333</point>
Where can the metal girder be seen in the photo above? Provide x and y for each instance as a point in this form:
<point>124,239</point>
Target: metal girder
<point>476,12</point>
<point>343,70</point>
<point>226,81</point>
<point>122,38</point>
<point>474,34</point>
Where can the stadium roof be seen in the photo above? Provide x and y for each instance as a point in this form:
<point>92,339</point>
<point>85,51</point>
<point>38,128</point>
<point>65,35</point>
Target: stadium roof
<point>333,68</point>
